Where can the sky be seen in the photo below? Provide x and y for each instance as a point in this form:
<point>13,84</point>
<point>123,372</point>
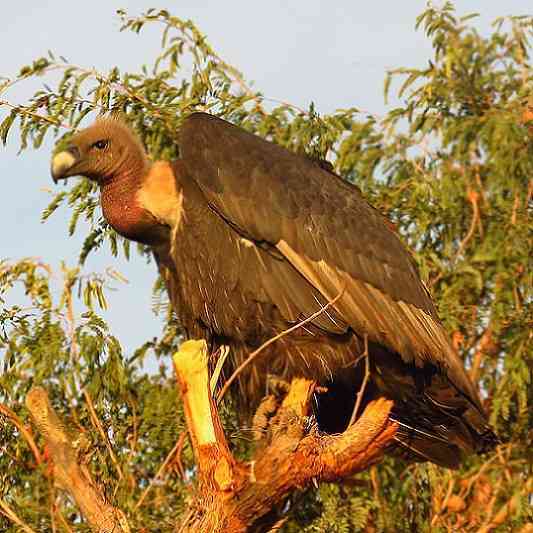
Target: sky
<point>332,53</point>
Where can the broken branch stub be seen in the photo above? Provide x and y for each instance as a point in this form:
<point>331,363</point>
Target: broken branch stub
<point>214,459</point>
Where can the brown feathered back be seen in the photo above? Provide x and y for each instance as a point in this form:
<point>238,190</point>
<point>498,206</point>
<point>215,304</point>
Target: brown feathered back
<point>268,238</point>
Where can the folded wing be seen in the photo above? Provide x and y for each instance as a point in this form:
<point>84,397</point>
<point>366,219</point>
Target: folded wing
<point>323,226</point>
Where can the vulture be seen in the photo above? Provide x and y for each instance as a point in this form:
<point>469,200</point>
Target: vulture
<point>253,239</point>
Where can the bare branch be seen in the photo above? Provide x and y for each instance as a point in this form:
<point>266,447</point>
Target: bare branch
<point>232,495</point>
<point>361,391</point>
<point>69,474</point>
<point>215,462</point>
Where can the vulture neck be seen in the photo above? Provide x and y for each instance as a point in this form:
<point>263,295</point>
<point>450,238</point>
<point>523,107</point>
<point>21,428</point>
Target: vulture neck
<point>139,202</point>
<point>118,197</point>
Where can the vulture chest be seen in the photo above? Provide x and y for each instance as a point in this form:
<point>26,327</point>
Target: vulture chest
<point>219,276</point>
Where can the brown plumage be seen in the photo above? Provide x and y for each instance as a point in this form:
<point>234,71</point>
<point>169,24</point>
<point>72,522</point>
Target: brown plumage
<point>251,239</point>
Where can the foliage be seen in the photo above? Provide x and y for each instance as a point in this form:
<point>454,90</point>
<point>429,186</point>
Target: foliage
<point>452,169</point>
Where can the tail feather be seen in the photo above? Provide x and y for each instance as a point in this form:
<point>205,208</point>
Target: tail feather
<point>436,422</point>
<point>445,444</point>
<point>419,445</point>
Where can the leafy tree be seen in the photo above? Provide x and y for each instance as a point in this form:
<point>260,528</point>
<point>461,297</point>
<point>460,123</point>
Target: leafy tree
<point>452,169</point>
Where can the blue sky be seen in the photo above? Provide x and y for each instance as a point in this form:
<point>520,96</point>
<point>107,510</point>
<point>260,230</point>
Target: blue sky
<point>334,53</point>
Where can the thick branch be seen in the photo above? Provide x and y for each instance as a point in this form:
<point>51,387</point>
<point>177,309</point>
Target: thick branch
<point>68,473</point>
<point>233,496</point>
<point>288,464</point>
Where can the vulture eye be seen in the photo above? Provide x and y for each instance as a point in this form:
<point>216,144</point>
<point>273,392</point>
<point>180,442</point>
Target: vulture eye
<point>100,145</point>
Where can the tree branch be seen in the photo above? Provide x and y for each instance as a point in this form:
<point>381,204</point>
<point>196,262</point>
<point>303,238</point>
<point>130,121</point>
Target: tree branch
<point>215,462</point>
<point>69,474</point>
<point>486,346</point>
<point>232,495</point>
<point>473,198</point>
<point>105,437</point>
<point>11,515</point>
<point>175,451</point>
<point>17,422</point>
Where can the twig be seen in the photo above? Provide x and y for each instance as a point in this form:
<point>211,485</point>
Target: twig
<point>505,510</point>
<point>64,523</point>
<point>473,197</point>
<point>485,346</point>
<point>25,111</point>
<point>177,446</point>
<point>439,511</point>
<point>11,515</point>
<point>480,472</point>
<point>270,341</point>
<point>17,422</point>
<point>98,426</point>
<point>283,103</point>
<point>489,507</point>
<point>179,465</point>
<point>361,391</point>
<point>375,488</point>
<point>71,320</point>
<point>516,206</point>
<point>52,496</point>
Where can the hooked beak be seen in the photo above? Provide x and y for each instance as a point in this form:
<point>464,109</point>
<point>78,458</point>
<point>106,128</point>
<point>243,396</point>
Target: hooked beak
<point>63,163</point>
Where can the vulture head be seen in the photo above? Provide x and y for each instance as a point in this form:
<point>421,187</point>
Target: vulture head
<point>139,199</point>
<point>106,150</point>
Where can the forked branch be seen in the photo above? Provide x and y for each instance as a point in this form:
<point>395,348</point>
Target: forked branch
<point>232,495</point>
<point>235,496</point>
